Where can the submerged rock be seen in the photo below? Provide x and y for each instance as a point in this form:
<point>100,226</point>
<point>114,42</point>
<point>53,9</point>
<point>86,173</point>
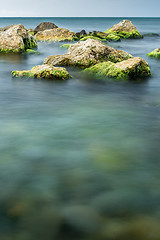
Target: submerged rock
<point>44,26</point>
<point>133,68</point>
<point>155,53</point>
<point>15,38</point>
<point>65,46</point>
<point>87,53</point>
<point>124,29</point>
<point>56,34</point>
<point>44,71</point>
<point>151,35</point>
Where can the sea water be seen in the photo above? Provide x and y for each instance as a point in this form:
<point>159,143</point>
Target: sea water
<point>80,159</point>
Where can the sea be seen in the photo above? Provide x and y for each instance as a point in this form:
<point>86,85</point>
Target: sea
<point>80,159</point>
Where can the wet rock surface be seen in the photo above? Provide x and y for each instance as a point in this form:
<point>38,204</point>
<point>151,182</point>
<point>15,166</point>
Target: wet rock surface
<point>56,34</point>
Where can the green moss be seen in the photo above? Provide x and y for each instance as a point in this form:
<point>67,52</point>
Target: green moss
<point>10,50</point>
<point>155,53</point>
<point>92,37</point>
<point>108,69</point>
<point>125,35</point>
<point>31,33</point>
<point>31,51</point>
<point>65,46</point>
<point>30,43</point>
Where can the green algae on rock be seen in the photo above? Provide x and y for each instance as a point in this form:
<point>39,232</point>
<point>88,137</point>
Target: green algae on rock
<point>56,34</point>
<point>87,53</point>
<point>155,53</point>
<point>65,46</point>
<point>134,68</point>
<point>15,38</point>
<point>124,29</point>
<point>44,71</point>
<point>31,51</point>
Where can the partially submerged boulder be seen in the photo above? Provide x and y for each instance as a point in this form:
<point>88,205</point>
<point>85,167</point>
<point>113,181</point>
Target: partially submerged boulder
<point>15,38</point>
<point>56,34</point>
<point>155,53</point>
<point>124,29</point>
<point>87,53</point>
<point>134,68</point>
<point>44,26</point>
<point>44,71</point>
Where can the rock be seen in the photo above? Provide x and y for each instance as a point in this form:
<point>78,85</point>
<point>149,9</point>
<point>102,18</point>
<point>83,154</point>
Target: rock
<point>56,34</point>
<point>87,53</point>
<point>133,68</point>
<point>44,71</point>
<point>44,26</point>
<point>31,51</point>
<point>31,32</point>
<point>15,38</point>
<point>151,35</point>
<point>155,53</point>
<point>124,29</point>
<point>80,34</point>
<point>106,36</point>
<point>92,37</point>
<point>81,220</point>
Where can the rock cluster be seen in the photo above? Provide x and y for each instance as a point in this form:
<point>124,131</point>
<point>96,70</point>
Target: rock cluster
<point>89,52</point>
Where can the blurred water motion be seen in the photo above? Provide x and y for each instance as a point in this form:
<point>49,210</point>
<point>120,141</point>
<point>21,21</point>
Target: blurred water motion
<point>79,160</point>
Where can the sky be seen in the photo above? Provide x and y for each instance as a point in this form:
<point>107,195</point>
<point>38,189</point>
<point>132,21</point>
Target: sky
<point>80,8</point>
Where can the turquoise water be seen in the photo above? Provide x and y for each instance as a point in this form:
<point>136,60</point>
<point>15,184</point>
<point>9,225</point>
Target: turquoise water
<point>80,159</point>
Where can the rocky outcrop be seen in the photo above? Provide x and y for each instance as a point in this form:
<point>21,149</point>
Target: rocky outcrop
<point>87,53</point>
<point>124,29</point>
<point>134,68</point>
<point>44,26</point>
<point>155,53</point>
<point>15,38</point>
<point>44,71</point>
<point>56,34</point>
<point>97,35</point>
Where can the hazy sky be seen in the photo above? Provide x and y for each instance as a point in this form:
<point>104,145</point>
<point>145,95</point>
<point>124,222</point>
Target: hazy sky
<point>80,8</point>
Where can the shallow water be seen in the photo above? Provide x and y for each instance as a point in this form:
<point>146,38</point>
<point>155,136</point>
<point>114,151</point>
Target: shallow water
<point>80,159</point>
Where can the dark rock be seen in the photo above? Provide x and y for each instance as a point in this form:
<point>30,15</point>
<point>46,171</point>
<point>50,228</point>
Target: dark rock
<point>43,26</point>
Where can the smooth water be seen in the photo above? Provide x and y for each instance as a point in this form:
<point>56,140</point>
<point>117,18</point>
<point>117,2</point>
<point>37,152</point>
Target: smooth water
<point>80,159</point>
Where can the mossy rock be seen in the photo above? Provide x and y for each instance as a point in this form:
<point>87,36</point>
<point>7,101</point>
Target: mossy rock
<point>124,30</point>
<point>134,68</point>
<point>92,37</point>
<point>31,51</point>
<point>155,53</point>
<point>65,46</point>
<point>44,71</point>
<point>123,35</point>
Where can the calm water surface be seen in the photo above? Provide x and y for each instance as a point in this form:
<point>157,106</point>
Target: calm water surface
<point>80,159</point>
